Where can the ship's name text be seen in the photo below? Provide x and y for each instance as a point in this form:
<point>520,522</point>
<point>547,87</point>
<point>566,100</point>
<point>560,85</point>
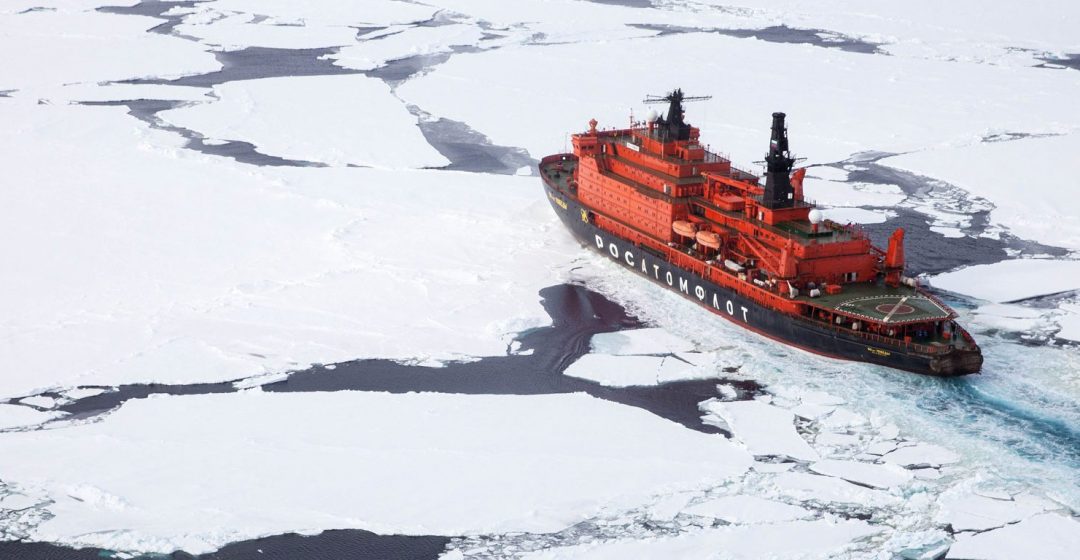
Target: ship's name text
<point>673,281</point>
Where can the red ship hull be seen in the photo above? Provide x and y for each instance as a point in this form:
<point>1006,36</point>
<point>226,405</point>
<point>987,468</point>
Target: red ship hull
<point>721,300</point>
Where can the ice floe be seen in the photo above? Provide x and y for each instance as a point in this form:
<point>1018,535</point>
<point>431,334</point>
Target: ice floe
<point>243,270</point>
<point>964,510</point>
<point>47,49</point>
<point>921,455</point>
<point>763,429</point>
<point>414,463</point>
<point>1046,537</point>
<point>797,539</point>
<point>373,53</point>
<point>742,509</point>
<point>1032,192</point>
<point>867,474</point>
<point>336,120</point>
<point>16,416</point>
<point>1014,279</point>
<point>639,341</point>
<point>826,489</point>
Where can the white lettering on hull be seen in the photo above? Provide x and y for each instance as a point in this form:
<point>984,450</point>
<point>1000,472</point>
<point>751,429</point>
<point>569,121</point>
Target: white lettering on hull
<point>669,277</point>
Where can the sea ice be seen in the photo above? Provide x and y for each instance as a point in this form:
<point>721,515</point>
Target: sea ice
<point>548,81</point>
<point>47,49</point>
<point>921,455</point>
<point>199,471</point>
<point>1033,194</point>
<point>337,120</point>
<point>805,486</point>
<point>780,541</point>
<point>966,511</point>
<point>1014,279</point>
<point>1046,537</point>
<point>867,474</point>
<point>244,270</point>
<point>764,429</point>
<point>15,416</point>
<point>741,509</point>
<point>639,341</point>
<point>373,53</point>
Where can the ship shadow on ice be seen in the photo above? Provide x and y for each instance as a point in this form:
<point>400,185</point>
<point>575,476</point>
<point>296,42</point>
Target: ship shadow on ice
<point>534,369</point>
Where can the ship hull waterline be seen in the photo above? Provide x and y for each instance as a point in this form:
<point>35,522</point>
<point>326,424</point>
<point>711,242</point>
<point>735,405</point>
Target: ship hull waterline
<point>729,304</point>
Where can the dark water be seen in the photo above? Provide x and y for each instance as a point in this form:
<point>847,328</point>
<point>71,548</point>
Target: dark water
<point>927,251</point>
<point>776,34</point>
<point>1071,60</point>
<point>577,313</point>
<point>348,544</point>
<point>147,110</point>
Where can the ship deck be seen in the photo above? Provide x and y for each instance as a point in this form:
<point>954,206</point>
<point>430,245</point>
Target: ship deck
<point>882,304</point>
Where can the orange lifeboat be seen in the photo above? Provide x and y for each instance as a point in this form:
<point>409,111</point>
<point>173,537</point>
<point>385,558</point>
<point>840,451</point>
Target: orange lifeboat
<point>708,239</point>
<point>684,228</point>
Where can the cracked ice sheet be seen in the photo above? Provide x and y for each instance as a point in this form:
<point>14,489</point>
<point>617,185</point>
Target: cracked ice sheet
<point>764,429</point>
<point>15,416</point>
<point>373,53</point>
<point>629,371</point>
<point>45,50</point>
<point>179,267</point>
<point>784,540</point>
<point>960,31</point>
<point>1032,192</point>
<point>167,472</point>
<point>967,511</point>
<point>1014,280</point>
<point>827,121</point>
<point>239,31</point>
<point>867,474</point>
<point>325,12</point>
<point>1046,537</point>
<point>337,120</point>
<point>639,341</point>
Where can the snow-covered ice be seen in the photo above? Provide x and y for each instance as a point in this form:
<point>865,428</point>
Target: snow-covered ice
<point>964,510</point>
<point>921,455</point>
<point>373,53</point>
<point>639,342</point>
<point>244,271</point>
<point>825,489</point>
<point>1014,279</point>
<point>1032,192</point>
<point>764,429</point>
<point>1048,536</point>
<point>16,416</point>
<point>742,509</point>
<point>336,120</point>
<point>275,462</point>
<point>867,474</point>
<point>793,540</point>
<point>47,49</point>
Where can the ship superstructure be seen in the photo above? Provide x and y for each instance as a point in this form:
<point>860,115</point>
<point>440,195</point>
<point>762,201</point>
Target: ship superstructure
<point>751,248</point>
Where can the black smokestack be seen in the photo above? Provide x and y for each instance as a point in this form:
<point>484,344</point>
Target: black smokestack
<point>778,190</point>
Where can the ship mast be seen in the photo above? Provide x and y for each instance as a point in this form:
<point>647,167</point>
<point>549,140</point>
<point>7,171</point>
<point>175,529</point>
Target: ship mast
<point>674,127</point>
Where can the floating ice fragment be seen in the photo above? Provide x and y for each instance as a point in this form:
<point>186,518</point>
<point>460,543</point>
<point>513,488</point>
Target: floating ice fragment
<point>921,455</point>
<point>868,474</point>
<point>1046,537</point>
<point>748,509</point>
<point>764,429</point>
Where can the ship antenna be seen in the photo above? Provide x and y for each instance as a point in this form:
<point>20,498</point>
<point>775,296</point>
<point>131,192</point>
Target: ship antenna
<point>674,127</point>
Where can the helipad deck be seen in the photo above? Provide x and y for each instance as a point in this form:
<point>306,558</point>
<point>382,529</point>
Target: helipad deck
<point>883,304</point>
